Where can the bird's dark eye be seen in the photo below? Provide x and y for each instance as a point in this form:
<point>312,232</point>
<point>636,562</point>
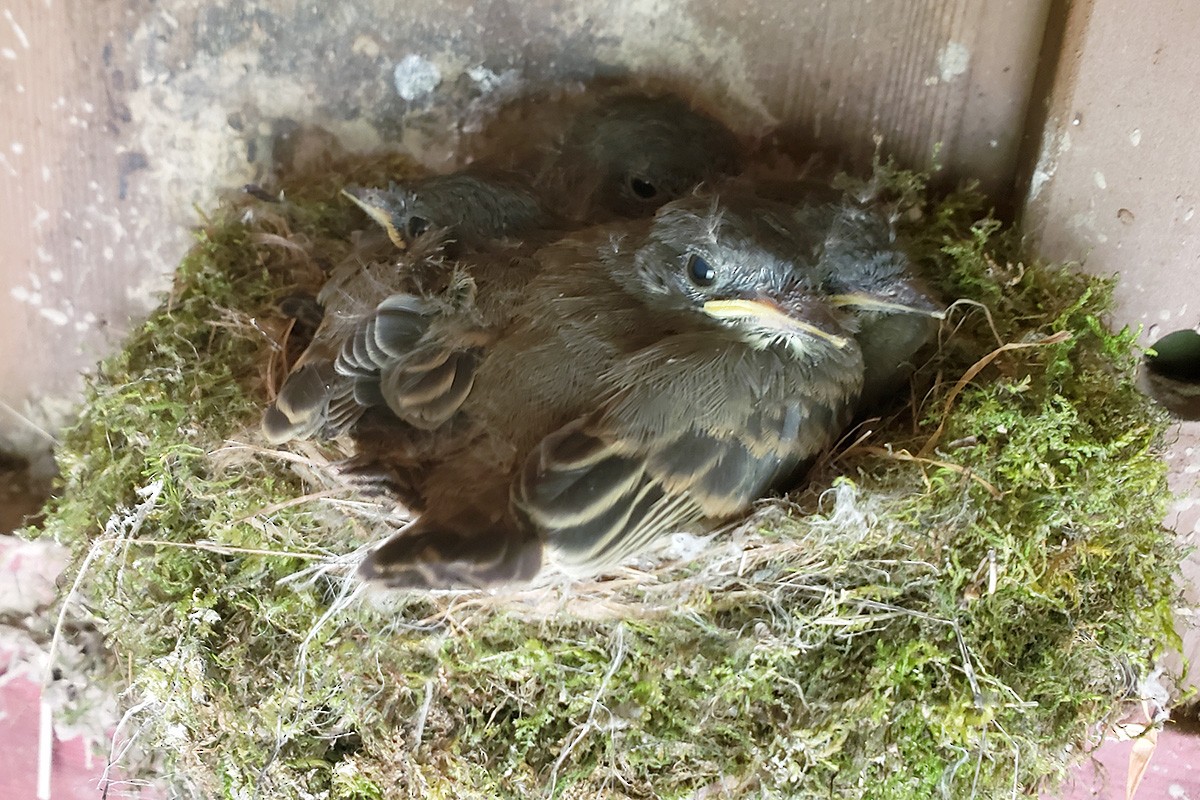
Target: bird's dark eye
<point>417,226</point>
<point>643,188</point>
<point>700,272</point>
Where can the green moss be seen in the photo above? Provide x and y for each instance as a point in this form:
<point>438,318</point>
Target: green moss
<point>955,616</point>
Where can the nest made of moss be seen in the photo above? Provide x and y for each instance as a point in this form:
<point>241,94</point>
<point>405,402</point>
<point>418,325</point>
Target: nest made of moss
<point>962,602</point>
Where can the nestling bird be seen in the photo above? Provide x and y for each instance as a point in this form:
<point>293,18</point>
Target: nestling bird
<point>897,315</point>
<point>467,208</point>
<point>621,157</point>
<point>422,219</point>
<point>322,398</point>
<point>600,347</point>
<point>631,153</point>
<point>652,376</point>
<point>471,211</point>
<point>852,250</point>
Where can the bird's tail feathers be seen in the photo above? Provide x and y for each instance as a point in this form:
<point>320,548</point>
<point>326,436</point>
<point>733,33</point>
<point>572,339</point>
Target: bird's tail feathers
<point>431,554</point>
<point>301,408</point>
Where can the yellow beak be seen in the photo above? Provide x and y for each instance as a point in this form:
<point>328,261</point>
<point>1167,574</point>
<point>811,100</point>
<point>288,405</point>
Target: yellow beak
<point>381,216</point>
<point>770,315</point>
<point>870,302</point>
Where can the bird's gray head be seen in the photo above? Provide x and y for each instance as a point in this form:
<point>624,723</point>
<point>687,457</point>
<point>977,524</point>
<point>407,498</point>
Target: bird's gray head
<point>466,207</point>
<point>851,252</point>
<point>395,209</point>
<point>699,256</point>
<point>645,151</point>
<point>882,281</point>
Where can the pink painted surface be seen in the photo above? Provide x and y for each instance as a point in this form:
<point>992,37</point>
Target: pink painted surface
<point>1173,774</point>
<point>28,586</point>
<point>76,775</point>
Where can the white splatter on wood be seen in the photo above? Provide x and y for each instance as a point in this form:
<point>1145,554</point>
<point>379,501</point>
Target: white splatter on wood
<point>54,316</point>
<point>953,60</point>
<point>18,31</point>
<point>1055,143</point>
<point>366,45</point>
<point>415,77</point>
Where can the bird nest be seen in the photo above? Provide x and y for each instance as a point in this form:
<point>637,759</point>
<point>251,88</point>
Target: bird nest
<point>968,594</point>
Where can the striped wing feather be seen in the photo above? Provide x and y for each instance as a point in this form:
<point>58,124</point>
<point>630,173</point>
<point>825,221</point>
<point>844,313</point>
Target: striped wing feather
<point>652,459</point>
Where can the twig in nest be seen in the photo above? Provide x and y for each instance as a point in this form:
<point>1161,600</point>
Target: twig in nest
<point>50,437</point>
<point>975,369</point>
<point>120,529</point>
<point>589,723</point>
<point>855,436</point>
<point>987,313</point>
<point>229,550</point>
<point>275,240</point>
<point>277,361</point>
<point>281,505</point>
<point>904,455</point>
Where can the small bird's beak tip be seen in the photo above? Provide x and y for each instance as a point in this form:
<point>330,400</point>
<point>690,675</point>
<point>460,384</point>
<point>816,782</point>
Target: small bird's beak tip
<point>378,213</point>
<point>772,315</point>
<point>923,306</point>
